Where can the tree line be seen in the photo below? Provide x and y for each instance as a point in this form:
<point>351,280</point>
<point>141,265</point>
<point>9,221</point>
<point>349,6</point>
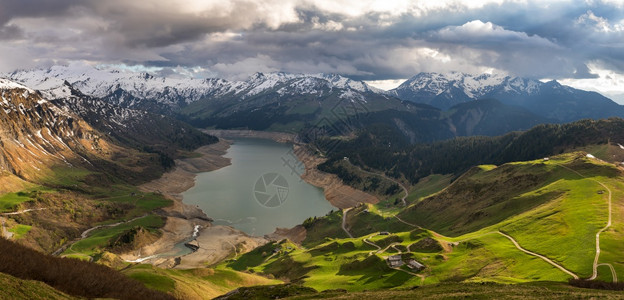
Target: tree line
<point>72,276</point>
<point>379,147</point>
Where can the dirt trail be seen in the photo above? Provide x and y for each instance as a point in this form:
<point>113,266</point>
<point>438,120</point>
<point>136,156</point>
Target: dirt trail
<point>365,240</point>
<point>380,174</point>
<point>22,211</point>
<point>85,234</point>
<point>546,259</point>
<point>443,240</point>
<point>7,234</point>
<point>446,244</point>
<point>613,273</point>
<point>344,222</point>
<point>597,257</point>
<point>410,224</point>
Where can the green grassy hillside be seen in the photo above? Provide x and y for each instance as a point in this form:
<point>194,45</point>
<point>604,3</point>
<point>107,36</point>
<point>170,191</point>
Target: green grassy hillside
<point>467,232</point>
<point>542,290</point>
<point>195,283</point>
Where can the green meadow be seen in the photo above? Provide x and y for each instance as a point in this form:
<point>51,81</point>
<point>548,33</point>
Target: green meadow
<point>100,238</point>
<point>551,210</point>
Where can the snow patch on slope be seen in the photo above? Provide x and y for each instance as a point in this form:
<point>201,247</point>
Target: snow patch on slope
<point>6,84</point>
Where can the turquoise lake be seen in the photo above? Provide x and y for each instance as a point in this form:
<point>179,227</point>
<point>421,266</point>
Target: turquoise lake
<point>260,191</point>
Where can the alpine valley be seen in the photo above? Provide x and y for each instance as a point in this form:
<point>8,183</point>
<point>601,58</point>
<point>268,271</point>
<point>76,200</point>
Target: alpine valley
<point>450,185</point>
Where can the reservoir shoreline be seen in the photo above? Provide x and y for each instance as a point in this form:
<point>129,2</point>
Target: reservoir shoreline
<point>336,192</point>
<point>218,242</point>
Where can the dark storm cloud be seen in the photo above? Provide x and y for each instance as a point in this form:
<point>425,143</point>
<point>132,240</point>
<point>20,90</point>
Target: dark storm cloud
<point>10,9</point>
<point>10,32</point>
<point>234,38</point>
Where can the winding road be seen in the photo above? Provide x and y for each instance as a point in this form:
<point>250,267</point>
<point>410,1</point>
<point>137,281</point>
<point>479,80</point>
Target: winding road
<point>85,234</point>
<point>7,234</point>
<point>546,259</point>
<point>393,245</point>
<point>387,178</point>
<point>365,240</point>
<point>516,244</point>
<point>597,257</point>
<point>379,249</point>
<point>22,211</point>
<point>235,250</point>
<point>613,273</point>
<point>344,221</point>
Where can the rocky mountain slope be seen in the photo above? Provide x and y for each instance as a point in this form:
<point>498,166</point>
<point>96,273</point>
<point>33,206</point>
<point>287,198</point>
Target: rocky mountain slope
<point>36,134</point>
<point>491,117</point>
<point>133,127</point>
<point>40,137</point>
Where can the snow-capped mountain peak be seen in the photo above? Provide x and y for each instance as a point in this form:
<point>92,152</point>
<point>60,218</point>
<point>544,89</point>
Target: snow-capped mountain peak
<point>129,88</point>
<point>438,89</point>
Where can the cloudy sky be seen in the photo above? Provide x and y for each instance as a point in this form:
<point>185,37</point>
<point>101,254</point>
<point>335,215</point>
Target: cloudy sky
<point>580,43</point>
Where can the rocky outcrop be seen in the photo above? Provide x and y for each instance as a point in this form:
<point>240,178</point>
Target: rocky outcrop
<point>36,135</point>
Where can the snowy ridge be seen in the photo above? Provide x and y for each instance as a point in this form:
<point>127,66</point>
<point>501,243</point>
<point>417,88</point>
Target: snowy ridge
<point>175,91</point>
<point>38,134</point>
<point>300,84</point>
<point>474,86</point>
<point>446,90</point>
<point>100,83</point>
<point>547,99</point>
<point>8,99</point>
<point>6,84</point>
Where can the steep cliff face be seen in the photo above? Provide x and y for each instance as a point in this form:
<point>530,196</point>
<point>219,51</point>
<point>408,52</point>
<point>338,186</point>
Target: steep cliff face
<point>36,135</point>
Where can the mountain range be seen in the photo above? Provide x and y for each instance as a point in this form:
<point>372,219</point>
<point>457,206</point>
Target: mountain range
<point>425,108</point>
<point>215,102</point>
<point>37,134</point>
<point>547,99</point>
<point>127,89</point>
<point>41,136</point>
<point>84,152</point>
